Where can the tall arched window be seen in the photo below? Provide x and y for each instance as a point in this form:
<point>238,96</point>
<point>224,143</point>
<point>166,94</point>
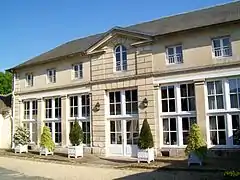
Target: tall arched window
<point>121,58</point>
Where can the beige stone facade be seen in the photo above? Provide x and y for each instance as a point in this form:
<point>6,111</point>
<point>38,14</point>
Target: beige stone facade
<point>200,75</point>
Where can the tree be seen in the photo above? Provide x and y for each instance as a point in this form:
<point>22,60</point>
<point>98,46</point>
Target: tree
<point>5,83</point>
<point>76,134</point>
<point>196,143</point>
<point>146,139</point>
<point>46,139</point>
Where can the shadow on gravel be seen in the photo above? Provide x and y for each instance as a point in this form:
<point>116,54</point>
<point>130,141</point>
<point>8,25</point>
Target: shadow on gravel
<point>6,174</point>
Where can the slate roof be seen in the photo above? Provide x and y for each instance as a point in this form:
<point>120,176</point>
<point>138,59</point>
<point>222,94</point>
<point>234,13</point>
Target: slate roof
<point>195,19</point>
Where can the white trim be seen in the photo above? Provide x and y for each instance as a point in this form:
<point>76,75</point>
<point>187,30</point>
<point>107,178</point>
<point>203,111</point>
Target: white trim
<point>197,76</point>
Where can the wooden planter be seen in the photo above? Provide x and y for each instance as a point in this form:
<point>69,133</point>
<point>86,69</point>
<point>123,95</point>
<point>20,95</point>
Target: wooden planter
<point>45,151</point>
<point>21,148</point>
<point>146,155</point>
<point>194,159</point>
<point>75,151</point>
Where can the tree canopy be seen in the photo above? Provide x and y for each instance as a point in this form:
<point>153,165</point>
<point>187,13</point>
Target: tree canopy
<point>5,82</point>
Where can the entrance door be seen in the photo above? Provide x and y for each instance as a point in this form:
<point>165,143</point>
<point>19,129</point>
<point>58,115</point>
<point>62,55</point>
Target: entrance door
<point>123,137</point>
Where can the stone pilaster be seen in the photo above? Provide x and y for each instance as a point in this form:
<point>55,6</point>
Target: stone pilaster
<point>64,121</point>
<point>40,118</point>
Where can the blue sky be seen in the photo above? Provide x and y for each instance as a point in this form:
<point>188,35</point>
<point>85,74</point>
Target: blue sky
<point>29,27</point>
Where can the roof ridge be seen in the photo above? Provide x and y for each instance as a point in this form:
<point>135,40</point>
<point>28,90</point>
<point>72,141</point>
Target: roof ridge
<point>184,13</point>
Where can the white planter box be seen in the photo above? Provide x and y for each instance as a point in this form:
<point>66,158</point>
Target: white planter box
<point>194,159</point>
<point>21,148</point>
<point>146,155</point>
<point>45,151</point>
<point>75,151</point>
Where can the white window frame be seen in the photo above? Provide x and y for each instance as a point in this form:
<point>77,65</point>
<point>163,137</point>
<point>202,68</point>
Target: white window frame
<point>227,112</point>
<point>29,79</point>
<point>52,109</point>
<point>178,114</point>
<point>79,107</point>
<point>173,59</point>
<point>222,48</point>
<point>51,79</point>
<point>123,105</point>
<point>53,133</point>
<point>79,73</point>
<point>121,59</point>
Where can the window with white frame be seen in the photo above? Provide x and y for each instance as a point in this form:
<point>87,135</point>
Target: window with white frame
<point>178,113</point>
<point>215,94</point>
<point>56,131</point>
<point>223,94</point>
<point>78,71</point>
<point>53,108</point>
<point>222,47</point>
<point>123,102</point>
<point>79,106</point>
<point>29,79</point>
<point>51,75</point>
<point>85,125</point>
<point>132,130</point>
<point>116,132</point>
<point>121,58</point>
<point>174,54</point>
<point>30,118</point>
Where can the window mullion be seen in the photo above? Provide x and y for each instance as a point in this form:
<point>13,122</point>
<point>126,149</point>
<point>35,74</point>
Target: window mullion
<point>30,110</point>
<point>179,131</point>
<point>177,98</point>
<point>80,106</point>
<point>53,108</point>
<point>123,103</point>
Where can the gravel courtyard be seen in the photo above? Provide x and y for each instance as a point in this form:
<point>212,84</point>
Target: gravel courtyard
<point>18,169</point>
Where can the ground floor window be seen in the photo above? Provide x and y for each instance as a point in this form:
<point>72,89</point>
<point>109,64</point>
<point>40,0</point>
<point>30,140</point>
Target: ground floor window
<point>217,130</point>
<point>56,131</point>
<point>176,129</point>
<point>32,128</point>
<point>116,132</point>
<point>132,130</point>
<point>85,125</point>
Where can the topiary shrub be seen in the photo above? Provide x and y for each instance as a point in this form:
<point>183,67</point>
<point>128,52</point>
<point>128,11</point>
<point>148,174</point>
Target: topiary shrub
<point>145,139</point>
<point>46,139</point>
<point>76,134</point>
<point>21,136</point>
<point>196,143</point>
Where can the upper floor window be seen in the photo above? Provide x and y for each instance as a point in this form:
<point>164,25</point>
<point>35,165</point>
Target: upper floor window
<point>29,79</point>
<point>53,108</point>
<point>51,75</point>
<point>215,95</point>
<point>123,102</point>
<point>121,58</point>
<point>222,47</point>
<point>79,106</point>
<point>174,54</point>
<point>77,71</point>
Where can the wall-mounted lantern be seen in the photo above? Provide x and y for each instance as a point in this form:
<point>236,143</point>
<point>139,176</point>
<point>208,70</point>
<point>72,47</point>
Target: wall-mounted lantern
<point>145,102</point>
<point>96,107</point>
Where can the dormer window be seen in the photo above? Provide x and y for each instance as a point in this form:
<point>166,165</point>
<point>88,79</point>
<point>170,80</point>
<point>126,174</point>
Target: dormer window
<point>121,58</point>
<point>222,47</point>
<point>174,54</point>
<point>51,75</point>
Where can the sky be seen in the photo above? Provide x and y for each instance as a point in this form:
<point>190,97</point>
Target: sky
<point>30,27</point>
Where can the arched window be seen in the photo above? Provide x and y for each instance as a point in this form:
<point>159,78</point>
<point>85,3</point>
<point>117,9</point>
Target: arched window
<point>121,58</point>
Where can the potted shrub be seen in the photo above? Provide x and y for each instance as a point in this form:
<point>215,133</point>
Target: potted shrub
<point>46,143</point>
<point>145,144</point>
<point>76,138</point>
<point>21,139</point>
<point>196,147</point>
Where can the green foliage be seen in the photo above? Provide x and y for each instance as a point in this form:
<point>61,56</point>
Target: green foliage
<point>236,137</point>
<point>146,139</point>
<point>5,83</point>
<point>21,136</point>
<point>196,142</point>
<point>76,134</point>
<point>46,139</point>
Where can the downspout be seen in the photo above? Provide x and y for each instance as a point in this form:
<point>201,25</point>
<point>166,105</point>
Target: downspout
<point>12,116</point>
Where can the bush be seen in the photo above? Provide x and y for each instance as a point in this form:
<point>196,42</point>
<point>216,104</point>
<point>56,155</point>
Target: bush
<point>46,139</point>
<point>76,134</point>
<point>21,136</point>
<point>146,139</point>
<point>196,142</point>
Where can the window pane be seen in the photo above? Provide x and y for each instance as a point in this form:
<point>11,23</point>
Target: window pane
<point>164,92</point>
<point>233,85</point>
<point>211,102</point>
<point>118,96</point>
<point>221,122</point>
<point>128,108</point>
<point>118,109</point>
<point>134,95</point>
<point>191,103</point>
<point>183,88</point>
<point>234,101</point>
<point>118,57</point>
<point>124,48</point>
<point>220,102</point>
<point>134,108</point>
<point>185,137</point>
<point>212,122</point>
<point>235,122</point>
<point>165,124</point>
<point>128,126</point>
<point>119,138</point>
<point>179,49</point>
<point>170,51</point>
<point>124,56</point>
<point>118,49</point>
<point>164,106</point>
<point>213,137</point>
<point>113,138</point>
<point>210,88</point>
<point>238,82</point>
<point>166,138</point>
<point>128,96</point>
<point>173,125</point>
<point>173,138</point>
<point>118,126</point>
<point>171,92</point>
<point>226,42</point>
<point>218,87</point>
<point>129,138</point>
<point>184,104</point>
<point>112,126</point>
<point>191,90</point>
<point>111,97</point>
<point>216,43</point>
<point>112,109</point>
<point>185,124</point>
<point>222,137</point>
<point>172,105</point>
